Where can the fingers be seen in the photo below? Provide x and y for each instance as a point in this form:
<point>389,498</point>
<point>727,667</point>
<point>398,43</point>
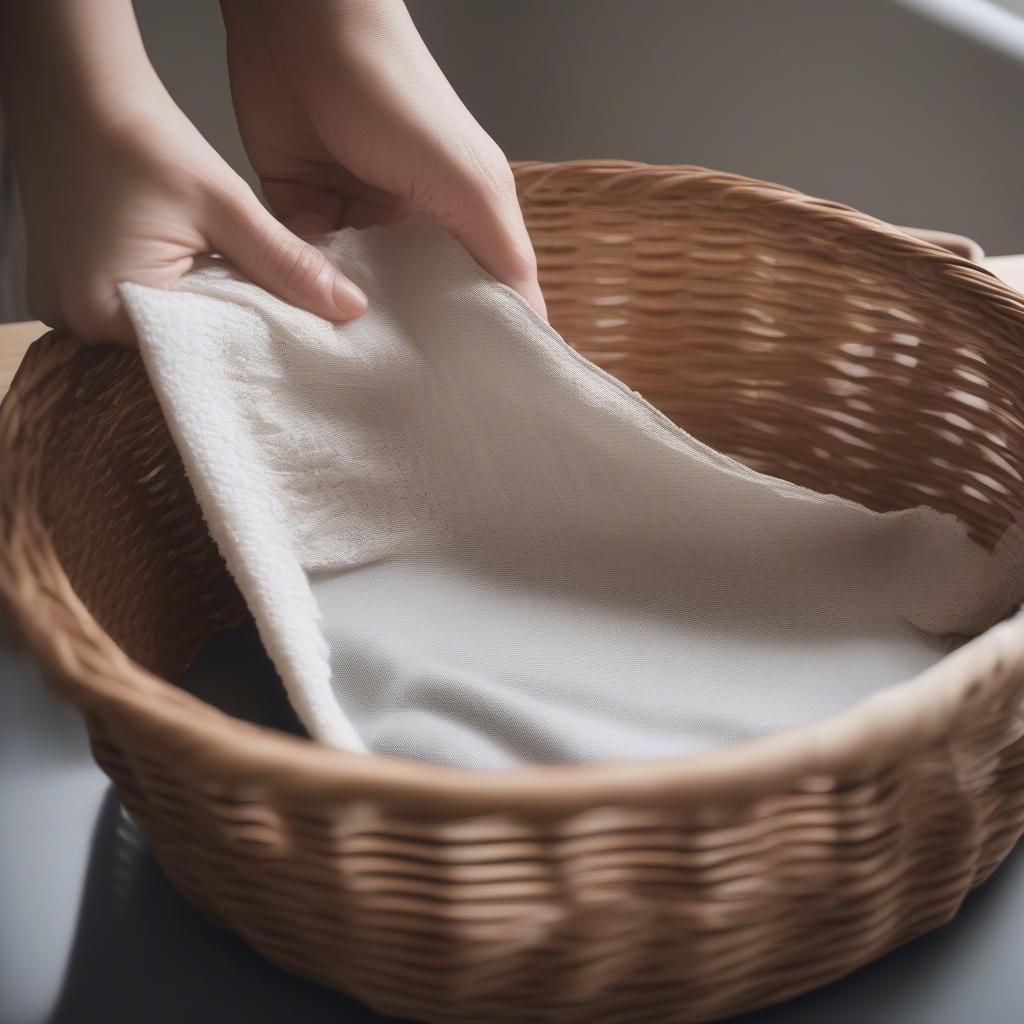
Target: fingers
<point>278,260</point>
<point>304,209</point>
<point>335,199</point>
<point>480,207</point>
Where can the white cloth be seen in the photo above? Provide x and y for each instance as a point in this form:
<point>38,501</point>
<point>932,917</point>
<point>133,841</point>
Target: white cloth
<point>463,542</point>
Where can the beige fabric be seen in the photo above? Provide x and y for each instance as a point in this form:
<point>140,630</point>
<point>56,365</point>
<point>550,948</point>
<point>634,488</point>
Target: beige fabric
<point>464,542</point>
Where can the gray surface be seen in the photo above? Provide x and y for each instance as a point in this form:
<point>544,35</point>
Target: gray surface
<point>91,932</point>
<point>866,101</point>
<point>883,104</point>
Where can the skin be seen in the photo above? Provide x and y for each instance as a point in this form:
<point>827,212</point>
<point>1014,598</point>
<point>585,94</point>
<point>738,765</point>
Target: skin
<point>344,114</point>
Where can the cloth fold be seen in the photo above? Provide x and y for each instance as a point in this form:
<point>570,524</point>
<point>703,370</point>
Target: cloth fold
<point>462,541</point>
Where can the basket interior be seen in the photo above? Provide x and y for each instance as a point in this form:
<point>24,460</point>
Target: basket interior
<point>797,336</point>
<point>814,345</point>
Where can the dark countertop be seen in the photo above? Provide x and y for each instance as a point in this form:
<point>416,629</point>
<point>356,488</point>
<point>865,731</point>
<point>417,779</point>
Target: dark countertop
<point>92,933</point>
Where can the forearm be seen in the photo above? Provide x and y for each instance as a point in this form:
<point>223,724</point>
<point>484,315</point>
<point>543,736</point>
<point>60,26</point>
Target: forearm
<point>381,28</point>
<point>79,62</point>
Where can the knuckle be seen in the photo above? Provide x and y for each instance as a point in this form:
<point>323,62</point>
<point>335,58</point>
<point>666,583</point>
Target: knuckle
<point>226,200</point>
<point>296,264</point>
<point>480,170</point>
<point>491,177</point>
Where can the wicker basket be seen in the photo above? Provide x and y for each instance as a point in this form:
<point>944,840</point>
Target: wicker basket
<point>798,335</point>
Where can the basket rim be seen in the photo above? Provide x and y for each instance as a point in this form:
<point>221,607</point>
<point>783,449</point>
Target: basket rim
<point>219,751</point>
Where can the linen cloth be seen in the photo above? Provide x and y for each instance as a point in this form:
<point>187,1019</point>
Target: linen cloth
<point>461,541</point>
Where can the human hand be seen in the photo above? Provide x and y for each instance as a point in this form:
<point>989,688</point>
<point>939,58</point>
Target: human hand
<point>347,119</point>
<point>124,188</point>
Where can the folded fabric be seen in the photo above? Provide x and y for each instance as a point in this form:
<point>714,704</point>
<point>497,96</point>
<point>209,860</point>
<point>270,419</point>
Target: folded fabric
<point>461,541</point>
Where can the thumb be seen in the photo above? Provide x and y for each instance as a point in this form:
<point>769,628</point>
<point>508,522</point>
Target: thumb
<point>483,213</point>
<point>275,259</point>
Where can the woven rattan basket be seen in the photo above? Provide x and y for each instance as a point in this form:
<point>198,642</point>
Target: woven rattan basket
<point>805,338</point>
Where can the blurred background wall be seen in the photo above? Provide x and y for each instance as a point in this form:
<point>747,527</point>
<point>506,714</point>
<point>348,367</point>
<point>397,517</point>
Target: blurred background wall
<point>884,104</point>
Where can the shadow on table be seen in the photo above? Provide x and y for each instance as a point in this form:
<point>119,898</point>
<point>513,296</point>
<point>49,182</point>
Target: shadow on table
<point>142,954</point>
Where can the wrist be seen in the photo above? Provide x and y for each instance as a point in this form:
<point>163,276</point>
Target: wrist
<point>320,20</point>
<point>81,64</point>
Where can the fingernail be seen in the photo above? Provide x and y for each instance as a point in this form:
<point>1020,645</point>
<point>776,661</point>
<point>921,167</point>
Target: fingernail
<point>349,300</point>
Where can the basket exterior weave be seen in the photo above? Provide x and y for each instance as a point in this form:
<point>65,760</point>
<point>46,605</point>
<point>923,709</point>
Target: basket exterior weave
<point>801,336</point>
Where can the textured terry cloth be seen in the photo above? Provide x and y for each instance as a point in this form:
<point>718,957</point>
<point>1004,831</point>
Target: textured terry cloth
<point>463,542</point>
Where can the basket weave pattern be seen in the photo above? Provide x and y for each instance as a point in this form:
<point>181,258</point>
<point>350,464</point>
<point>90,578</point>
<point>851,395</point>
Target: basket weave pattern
<point>803,337</point>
